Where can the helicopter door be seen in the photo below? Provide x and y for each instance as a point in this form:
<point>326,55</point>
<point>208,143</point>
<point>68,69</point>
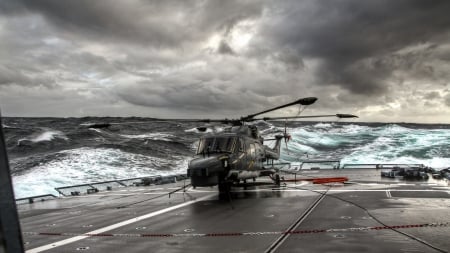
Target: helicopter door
<point>241,156</point>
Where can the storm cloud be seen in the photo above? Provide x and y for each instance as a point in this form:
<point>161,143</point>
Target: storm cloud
<point>385,60</point>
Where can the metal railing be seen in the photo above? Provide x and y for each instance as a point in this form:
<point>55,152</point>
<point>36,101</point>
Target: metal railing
<point>337,164</point>
<point>75,190</point>
<point>80,189</point>
<point>30,200</point>
<point>381,165</point>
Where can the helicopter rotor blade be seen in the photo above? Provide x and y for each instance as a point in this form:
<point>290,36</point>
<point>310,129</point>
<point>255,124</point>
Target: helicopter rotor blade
<point>345,116</point>
<point>236,122</point>
<point>341,116</point>
<point>229,121</point>
<point>224,121</point>
<point>302,101</point>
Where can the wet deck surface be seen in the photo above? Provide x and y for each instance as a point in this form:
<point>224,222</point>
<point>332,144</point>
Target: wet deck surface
<point>297,217</point>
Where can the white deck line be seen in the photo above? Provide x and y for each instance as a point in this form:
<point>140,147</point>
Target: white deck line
<point>113,226</point>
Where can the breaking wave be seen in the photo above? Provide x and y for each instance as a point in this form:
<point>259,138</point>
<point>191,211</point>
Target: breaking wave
<point>85,165</point>
<point>366,144</point>
<point>48,135</point>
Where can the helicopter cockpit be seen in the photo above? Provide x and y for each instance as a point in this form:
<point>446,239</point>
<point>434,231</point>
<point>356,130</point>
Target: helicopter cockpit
<point>223,144</point>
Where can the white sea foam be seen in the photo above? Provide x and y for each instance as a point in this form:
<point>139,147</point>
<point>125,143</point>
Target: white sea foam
<point>435,162</point>
<point>209,129</point>
<point>323,125</point>
<point>151,136</point>
<point>96,130</point>
<point>397,144</point>
<point>195,130</point>
<point>48,135</point>
<point>86,165</point>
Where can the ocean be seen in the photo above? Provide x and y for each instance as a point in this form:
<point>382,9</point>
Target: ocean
<point>45,153</point>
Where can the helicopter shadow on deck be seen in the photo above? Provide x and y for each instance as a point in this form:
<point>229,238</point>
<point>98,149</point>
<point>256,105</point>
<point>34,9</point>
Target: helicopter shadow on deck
<point>251,191</point>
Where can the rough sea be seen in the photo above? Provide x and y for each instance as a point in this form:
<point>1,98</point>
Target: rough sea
<point>45,153</point>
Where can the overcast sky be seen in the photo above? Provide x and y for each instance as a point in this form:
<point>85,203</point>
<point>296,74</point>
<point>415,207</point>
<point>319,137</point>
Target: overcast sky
<point>384,60</point>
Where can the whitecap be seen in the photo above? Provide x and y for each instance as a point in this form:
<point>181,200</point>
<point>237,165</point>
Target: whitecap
<point>210,129</point>
<point>48,135</point>
<point>195,130</point>
<point>323,125</point>
<point>87,165</point>
<point>152,136</point>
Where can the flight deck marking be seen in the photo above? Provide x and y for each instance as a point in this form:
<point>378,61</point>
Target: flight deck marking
<point>111,227</point>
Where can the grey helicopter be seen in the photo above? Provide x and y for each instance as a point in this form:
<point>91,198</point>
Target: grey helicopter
<point>238,153</point>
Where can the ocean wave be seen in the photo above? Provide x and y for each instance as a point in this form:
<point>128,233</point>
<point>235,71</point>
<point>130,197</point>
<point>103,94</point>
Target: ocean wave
<point>208,129</point>
<point>435,162</point>
<point>48,135</point>
<point>84,165</point>
<point>324,125</point>
<point>57,152</point>
<point>152,136</point>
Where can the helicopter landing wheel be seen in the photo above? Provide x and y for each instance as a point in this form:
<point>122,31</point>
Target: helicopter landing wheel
<point>224,190</point>
<point>277,180</point>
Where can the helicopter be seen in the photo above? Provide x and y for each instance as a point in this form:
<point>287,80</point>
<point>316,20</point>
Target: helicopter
<point>239,153</point>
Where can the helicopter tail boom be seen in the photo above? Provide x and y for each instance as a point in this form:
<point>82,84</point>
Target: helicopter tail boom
<point>274,153</point>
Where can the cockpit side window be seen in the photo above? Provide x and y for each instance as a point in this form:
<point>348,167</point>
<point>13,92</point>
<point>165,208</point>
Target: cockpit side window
<point>216,145</point>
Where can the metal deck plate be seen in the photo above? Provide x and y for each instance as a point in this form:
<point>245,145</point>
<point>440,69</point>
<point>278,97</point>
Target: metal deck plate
<point>354,217</point>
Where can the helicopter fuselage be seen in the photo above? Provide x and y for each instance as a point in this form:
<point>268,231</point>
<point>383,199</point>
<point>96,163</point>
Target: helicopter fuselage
<point>234,155</point>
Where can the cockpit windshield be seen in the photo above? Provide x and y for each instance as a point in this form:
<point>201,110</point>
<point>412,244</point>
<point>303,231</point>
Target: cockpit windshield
<point>216,145</point>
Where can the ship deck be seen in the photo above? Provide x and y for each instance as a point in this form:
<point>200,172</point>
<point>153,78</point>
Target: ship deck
<point>369,213</point>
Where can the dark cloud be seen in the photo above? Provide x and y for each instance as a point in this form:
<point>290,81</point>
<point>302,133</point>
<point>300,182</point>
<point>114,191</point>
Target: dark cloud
<point>152,23</point>
<point>447,100</point>
<point>224,48</point>
<point>218,57</point>
<point>432,95</point>
<point>345,35</point>
<point>12,76</point>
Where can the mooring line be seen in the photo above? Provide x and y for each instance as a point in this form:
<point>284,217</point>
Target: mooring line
<point>156,197</point>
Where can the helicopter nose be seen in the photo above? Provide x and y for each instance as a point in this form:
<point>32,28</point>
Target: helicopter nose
<point>206,171</point>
